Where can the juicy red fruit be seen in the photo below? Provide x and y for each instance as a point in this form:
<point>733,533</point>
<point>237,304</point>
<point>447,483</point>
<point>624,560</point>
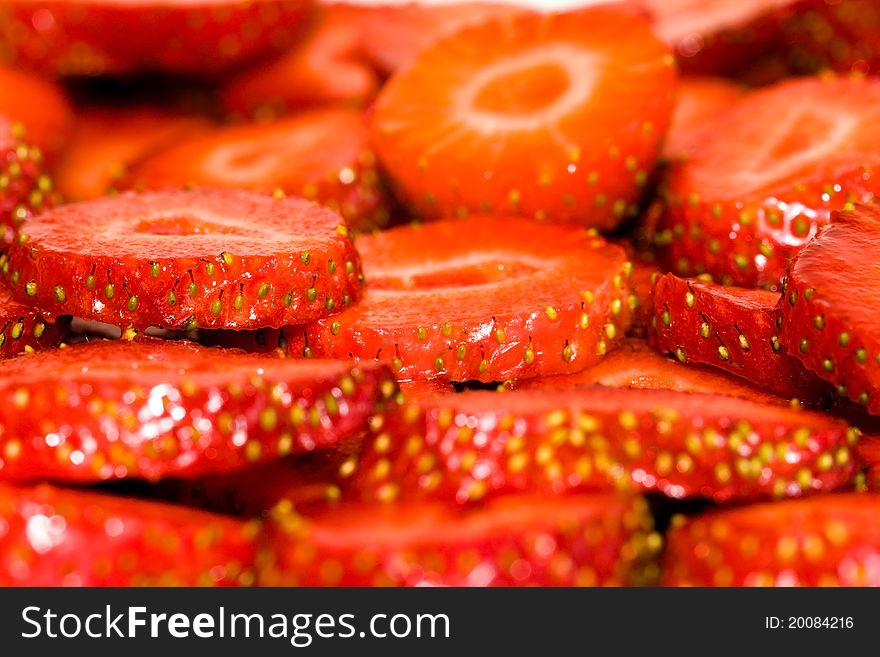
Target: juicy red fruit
<point>553,116</point>
<point>485,298</point>
<point>152,409</point>
<point>57,537</point>
<point>39,105</point>
<point>730,328</point>
<point>767,176</point>
<point>25,189</point>
<point>467,447</point>
<point>593,541</point>
<point>215,259</point>
<point>322,155</point>
<point>24,329</point>
<point>823,541</point>
<point>96,37</point>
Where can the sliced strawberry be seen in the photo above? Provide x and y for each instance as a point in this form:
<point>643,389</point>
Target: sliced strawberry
<point>261,341</point>
<point>94,37</point>
<point>634,364</point>
<point>56,537</point>
<point>466,447</point>
<point>96,158</point>
<point>24,329</point>
<point>831,307</point>
<point>868,451</point>
<point>326,66</point>
<point>393,35</point>
<point>485,298</point>
<point>555,116</point>
<point>321,155</point>
<point>829,540</point>
<point>187,259</point>
<point>579,540</point>
<point>699,101</point>
<point>153,408</point>
<point>775,167</point>
<point>641,301</point>
<point>40,106</point>
<point>734,329</point>
<point>810,35</point>
<point>24,187</point>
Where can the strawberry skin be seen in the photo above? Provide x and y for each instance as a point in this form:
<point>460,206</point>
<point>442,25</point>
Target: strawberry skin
<point>830,306</point>
<point>25,189</point>
<point>327,65</point>
<point>248,261</point>
<point>99,37</point>
<point>466,447</point>
<point>55,537</point>
<point>152,409</point>
<point>321,155</point>
<point>734,329</point>
<point>96,160</point>
<point>550,116</point>
<point>485,298</point>
<point>600,540</point>
<point>40,106</point>
<point>776,165</point>
<point>635,364</point>
<point>829,540</point>
<point>23,329</point>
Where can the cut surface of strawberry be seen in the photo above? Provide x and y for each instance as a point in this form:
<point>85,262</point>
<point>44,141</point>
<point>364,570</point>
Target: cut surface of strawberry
<point>40,106</point>
<point>831,540</point>
<point>635,364</point>
<point>96,159</point>
<point>96,37</point>
<point>484,298</point>
<point>467,447</point>
<point>775,167</point>
<point>322,155</point>
<point>57,537</point>
<point>831,308</point>
<point>187,259</point>
<point>579,540</point>
<point>25,188</point>
<point>734,329</point>
<point>552,116</point>
<point>868,451</point>
<point>23,329</point>
<point>151,409</point>
<point>698,101</point>
<point>327,65</point>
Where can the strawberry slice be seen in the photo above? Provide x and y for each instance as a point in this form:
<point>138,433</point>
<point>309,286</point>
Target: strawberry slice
<point>57,537</point>
<point>40,106</point>
<point>831,307</point>
<point>466,447</point>
<point>555,116</point>
<point>95,37</point>
<point>24,187</point>
<point>868,451</point>
<point>810,35</point>
<point>486,298</point>
<point>187,259</point>
<point>829,540</point>
<point>768,174</point>
<point>699,101</point>
<point>321,155</point>
<point>731,328</point>
<point>327,65</point>
<point>599,540</point>
<point>96,159</point>
<point>153,409</point>
<point>635,364</point>
<point>23,329</point>
<point>393,35</point>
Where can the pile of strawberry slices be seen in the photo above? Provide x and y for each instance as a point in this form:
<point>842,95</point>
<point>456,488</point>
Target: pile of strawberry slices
<point>312,294</point>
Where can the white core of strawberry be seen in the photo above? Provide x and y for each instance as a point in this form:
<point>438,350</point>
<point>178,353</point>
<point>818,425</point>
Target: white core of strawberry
<point>582,67</point>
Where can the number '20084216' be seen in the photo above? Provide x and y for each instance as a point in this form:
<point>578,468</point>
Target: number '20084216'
<point>809,622</point>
